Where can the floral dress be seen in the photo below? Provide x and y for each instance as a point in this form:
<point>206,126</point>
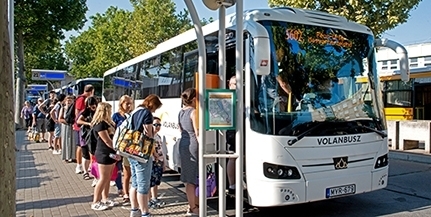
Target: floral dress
<point>158,162</point>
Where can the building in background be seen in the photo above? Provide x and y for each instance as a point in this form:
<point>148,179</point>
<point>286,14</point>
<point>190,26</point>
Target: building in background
<point>411,100</point>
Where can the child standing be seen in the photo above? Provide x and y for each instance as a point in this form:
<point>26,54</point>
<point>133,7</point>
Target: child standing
<point>158,166</point>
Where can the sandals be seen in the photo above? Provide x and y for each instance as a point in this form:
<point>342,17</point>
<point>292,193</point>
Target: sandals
<point>126,201</point>
<point>120,193</point>
<point>86,176</point>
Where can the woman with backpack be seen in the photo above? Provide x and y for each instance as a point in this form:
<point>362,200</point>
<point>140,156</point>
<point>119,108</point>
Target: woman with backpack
<point>125,106</point>
<point>84,122</point>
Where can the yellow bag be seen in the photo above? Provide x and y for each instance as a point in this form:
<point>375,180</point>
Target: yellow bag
<point>133,143</point>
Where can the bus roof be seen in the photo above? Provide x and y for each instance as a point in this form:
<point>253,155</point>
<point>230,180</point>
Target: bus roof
<point>84,79</point>
<point>286,14</point>
<point>88,79</point>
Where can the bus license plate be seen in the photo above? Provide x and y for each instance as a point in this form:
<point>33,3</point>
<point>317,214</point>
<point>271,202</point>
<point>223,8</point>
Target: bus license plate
<point>340,190</point>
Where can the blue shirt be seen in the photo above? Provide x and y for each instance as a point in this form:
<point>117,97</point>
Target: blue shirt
<point>141,118</point>
<point>38,113</point>
<point>118,119</point>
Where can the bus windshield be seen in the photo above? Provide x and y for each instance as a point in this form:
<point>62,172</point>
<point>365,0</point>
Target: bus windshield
<point>312,84</point>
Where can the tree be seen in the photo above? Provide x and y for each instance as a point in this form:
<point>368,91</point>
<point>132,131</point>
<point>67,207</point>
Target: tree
<point>52,58</point>
<point>102,46</point>
<point>7,134</point>
<point>118,35</point>
<point>40,24</point>
<point>379,15</point>
<point>158,18</point>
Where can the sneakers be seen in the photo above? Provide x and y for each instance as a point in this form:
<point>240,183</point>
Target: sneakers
<point>111,203</point>
<point>56,152</point>
<point>94,183</point>
<point>78,169</point>
<point>135,213</point>
<point>99,206</point>
<point>155,203</point>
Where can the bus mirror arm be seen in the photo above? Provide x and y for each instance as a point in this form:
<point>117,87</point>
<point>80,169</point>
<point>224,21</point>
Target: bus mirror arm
<point>402,55</point>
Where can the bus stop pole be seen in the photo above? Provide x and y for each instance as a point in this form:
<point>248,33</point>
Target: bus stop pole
<point>240,110</point>
<point>12,42</point>
<point>222,76</point>
<point>202,87</point>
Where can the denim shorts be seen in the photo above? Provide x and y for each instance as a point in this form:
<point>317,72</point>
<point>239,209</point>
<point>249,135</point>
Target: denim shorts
<point>57,130</point>
<point>141,175</point>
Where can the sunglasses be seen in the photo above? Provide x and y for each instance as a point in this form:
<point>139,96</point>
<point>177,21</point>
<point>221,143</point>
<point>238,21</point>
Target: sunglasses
<point>157,125</point>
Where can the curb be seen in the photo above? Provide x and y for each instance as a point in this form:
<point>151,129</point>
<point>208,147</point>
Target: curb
<point>407,156</point>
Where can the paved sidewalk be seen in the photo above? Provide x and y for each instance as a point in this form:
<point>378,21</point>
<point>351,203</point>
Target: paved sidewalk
<point>46,186</point>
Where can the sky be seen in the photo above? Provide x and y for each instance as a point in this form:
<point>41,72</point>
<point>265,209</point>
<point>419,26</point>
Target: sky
<point>415,30</point>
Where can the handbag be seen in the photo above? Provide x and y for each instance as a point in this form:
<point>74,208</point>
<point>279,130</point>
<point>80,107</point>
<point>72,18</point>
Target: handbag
<point>95,171</point>
<point>211,183</point>
<point>130,141</point>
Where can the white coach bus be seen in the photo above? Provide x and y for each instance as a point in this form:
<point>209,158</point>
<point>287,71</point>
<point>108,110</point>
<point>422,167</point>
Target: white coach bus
<point>310,132</point>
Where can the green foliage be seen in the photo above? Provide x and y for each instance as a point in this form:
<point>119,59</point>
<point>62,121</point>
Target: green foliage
<point>102,46</point>
<point>39,26</point>
<point>52,58</point>
<point>379,15</point>
<point>43,22</point>
<point>118,35</point>
<point>153,22</point>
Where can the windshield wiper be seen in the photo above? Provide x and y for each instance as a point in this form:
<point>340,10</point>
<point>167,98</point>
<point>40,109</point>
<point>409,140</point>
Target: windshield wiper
<point>382,134</point>
<point>300,136</point>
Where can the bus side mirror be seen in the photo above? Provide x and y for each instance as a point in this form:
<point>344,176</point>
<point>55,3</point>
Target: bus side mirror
<point>260,60</point>
<point>215,4</point>
<point>402,55</point>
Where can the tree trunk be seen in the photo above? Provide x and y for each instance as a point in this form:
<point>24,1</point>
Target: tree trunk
<point>20,79</point>
<point>7,125</point>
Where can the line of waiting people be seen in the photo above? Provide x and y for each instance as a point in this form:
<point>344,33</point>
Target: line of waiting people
<point>65,139</point>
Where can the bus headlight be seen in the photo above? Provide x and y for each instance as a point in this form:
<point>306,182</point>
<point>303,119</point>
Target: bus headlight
<point>274,171</point>
<point>382,161</point>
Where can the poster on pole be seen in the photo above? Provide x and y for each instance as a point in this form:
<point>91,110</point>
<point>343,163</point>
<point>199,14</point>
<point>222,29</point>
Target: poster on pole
<point>220,112</point>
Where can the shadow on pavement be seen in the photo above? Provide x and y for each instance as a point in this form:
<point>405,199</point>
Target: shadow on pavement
<point>49,203</point>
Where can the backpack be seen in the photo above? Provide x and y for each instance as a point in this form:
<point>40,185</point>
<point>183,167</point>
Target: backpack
<point>85,130</point>
<point>70,113</point>
<point>91,141</point>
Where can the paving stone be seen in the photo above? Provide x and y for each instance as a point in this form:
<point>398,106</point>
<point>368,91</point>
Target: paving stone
<point>46,186</point>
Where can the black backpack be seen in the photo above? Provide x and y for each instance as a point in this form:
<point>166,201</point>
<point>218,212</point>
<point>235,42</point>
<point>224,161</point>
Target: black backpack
<point>70,113</point>
<point>91,140</point>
